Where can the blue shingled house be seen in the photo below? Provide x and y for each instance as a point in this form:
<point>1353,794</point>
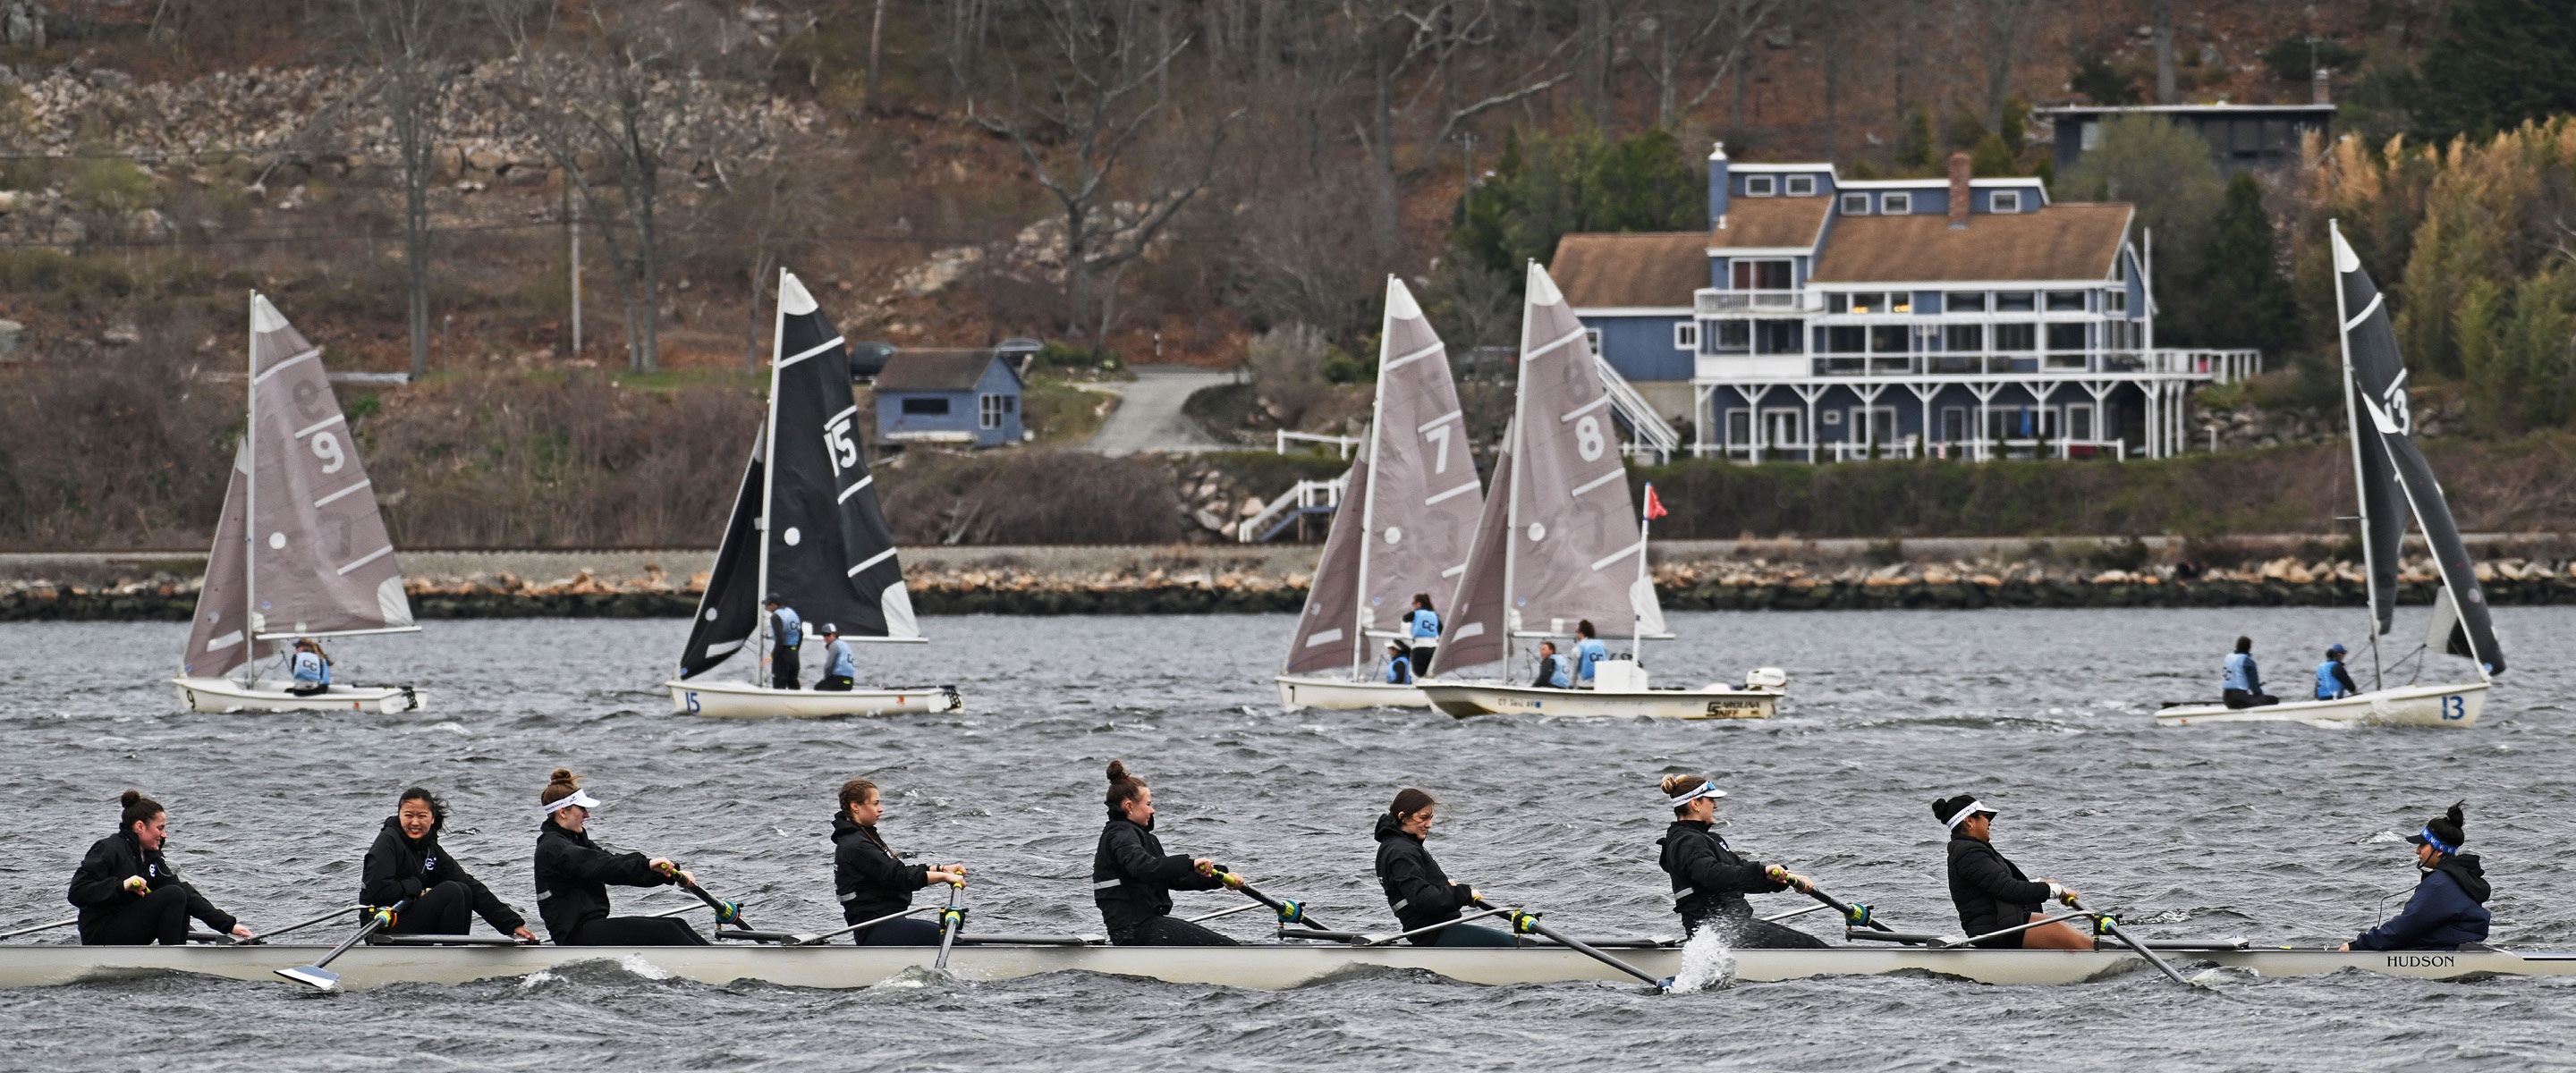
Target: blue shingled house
<point>962,397</point>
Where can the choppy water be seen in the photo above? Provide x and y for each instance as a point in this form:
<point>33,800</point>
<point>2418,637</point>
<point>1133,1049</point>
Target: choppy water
<point>2283,833</point>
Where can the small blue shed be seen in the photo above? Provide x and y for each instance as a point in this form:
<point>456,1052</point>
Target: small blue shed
<point>969,397</point>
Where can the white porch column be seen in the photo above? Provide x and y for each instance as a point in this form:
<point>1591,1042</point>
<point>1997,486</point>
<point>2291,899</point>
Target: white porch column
<point>1815,439</point>
<point>1756,429</point>
<point>1869,417</point>
<point>1704,411</point>
<point>1985,393</point>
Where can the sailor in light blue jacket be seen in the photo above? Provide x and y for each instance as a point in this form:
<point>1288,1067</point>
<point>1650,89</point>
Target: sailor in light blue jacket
<point>1422,629</point>
<point>1587,652</point>
<point>311,668</point>
<point>2242,684</point>
<point>840,669</point>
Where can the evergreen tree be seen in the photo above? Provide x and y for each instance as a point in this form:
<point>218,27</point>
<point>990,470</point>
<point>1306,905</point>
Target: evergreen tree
<point>1546,186</point>
<point>2501,62</point>
<point>2244,300</point>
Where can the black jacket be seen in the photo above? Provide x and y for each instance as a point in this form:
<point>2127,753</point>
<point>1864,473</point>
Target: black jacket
<point>573,877</point>
<point>1132,879</point>
<point>1710,879</point>
<point>2447,910</point>
<point>865,874</point>
<point>1419,892</point>
<point>99,887</point>
<point>1991,892</point>
<point>398,867</point>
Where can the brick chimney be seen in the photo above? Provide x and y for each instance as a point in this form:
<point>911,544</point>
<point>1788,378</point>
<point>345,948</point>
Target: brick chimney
<point>1958,191</point>
<point>2321,86</point>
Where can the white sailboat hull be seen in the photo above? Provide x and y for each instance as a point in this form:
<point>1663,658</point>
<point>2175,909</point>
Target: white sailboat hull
<point>741,700</point>
<point>2421,706</point>
<point>224,695</point>
<point>1713,701</point>
<point>1305,691</point>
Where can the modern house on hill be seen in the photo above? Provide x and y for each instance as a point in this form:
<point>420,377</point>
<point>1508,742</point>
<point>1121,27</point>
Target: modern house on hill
<point>961,397</point>
<point>1822,318</point>
<point>2242,137</point>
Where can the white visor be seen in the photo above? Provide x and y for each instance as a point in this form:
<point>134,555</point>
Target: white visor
<point>1706,789</point>
<point>1974,808</point>
<point>579,797</point>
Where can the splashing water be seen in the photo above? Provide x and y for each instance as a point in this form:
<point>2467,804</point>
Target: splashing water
<point>1707,963</point>
<point>635,963</point>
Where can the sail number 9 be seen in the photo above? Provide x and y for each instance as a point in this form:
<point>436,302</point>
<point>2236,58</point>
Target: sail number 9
<point>327,448</point>
<point>1587,438</point>
<point>1439,437</point>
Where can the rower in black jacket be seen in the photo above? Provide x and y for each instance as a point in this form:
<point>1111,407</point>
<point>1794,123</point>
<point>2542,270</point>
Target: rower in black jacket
<point>573,877</point>
<point>869,880</point>
<point>1132,879</point>
<point>2448,909</point>
<point>407,863</point>
<point>1992,893</point>
<point>1419,892</point>
<point>129,896</point>
<point>1710,879</point>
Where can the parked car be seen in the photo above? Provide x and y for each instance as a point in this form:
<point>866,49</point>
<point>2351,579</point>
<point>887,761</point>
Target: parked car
<point>867,359</point>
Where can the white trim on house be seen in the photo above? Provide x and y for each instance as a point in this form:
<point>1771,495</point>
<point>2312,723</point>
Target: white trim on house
<point>1761,251</point>
<point>1634,311</point>
<point>2004,183</point>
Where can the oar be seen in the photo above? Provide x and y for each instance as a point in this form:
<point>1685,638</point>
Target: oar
<point>810,940</point>
<point>1854,916</point>
<point>2113,927</point>
<point>694,907</point>
<point>726,912</point>
<point>299,925</point>
<point>1522,921</point>
<point>951,920</point>
<point>1384,940</point>
<point>1290,910</point>
<point>324,979</point>
<point>40,927</point>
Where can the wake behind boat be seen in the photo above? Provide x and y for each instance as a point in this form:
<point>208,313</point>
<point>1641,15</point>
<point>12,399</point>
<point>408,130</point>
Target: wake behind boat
<point>806,524</point>
<point>300,549</point>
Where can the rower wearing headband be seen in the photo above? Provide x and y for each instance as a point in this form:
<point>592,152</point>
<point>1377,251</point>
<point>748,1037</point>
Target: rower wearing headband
<point>1132,879</point>
<point>2449,909</point>
<point>1419,892</point>
<point>1992,894</point>
<point>573,877</point>
<point>1710,880</point>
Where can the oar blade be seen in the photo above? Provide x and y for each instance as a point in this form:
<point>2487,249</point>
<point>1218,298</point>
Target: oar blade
<point>321,979</point>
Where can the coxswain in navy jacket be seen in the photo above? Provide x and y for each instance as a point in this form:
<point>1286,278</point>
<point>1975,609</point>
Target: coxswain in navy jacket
<point>2447,911</point>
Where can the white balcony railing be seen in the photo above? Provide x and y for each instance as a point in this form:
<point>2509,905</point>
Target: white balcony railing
<point>1711,302</point>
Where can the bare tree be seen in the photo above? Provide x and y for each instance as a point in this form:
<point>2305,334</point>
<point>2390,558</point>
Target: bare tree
<point>1679,33</point>
<point>412,43</point>
<point>2164,31</point>
<point>1998,28</point>
<point>1449,34</point>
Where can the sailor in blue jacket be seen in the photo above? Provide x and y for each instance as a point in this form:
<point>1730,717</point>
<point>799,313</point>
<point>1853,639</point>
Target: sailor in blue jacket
<point>1422,627</point>
<point>2334,682</point>
<point>2242,684</point>
<point>840,669</point>
<point>1399,664</point>
<point>2449,909</point>
<point>312,669</point>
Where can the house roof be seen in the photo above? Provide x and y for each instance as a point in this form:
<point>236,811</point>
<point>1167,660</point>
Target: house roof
<point>934,370</point>
<point>1631,271</point>
<point>2063,241</point>
<point>1769,222</point>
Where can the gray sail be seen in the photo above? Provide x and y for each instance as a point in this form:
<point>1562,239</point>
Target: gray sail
<point>321,560</point>
<point>1576,545</point>
<point>1476,628</point>
<point>2387,426</point>
<point>1327,635</point>
<point>219,638</point>
<point>1421,499</point>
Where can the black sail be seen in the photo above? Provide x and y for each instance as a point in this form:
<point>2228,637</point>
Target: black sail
<point>2385,428</point>
<point>830,553</point>
<point>729,610</point>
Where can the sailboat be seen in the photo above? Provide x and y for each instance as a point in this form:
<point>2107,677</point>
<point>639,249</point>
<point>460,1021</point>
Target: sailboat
<point>300,548</point>
<point>805,525</point>
<point>2394,482</point>
<point>1560,541</point>
<point>1408,509</point>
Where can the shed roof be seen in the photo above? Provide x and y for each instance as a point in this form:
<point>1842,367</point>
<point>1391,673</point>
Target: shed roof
<point>1632,270</point>
<point>2062,241</point>
<point>934,370</point>
<point>1770,222</point>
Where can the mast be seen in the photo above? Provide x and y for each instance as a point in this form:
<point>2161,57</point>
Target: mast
<point>769,469</point>
<point>2360,497</point>
<point>1512,495</point>
<point>1360,609</point>
<point>252,620</point>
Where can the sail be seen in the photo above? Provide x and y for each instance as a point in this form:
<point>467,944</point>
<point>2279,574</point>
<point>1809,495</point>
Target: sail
<point>830,554</point>
<point>2386,426</point>
<point>1422,497</point>
<point>1576,545</point>
<point>219,641</point>
<point>729,610</point>
<point>1476,628</point>
<point>321,561</point>
<point>1327,636</point>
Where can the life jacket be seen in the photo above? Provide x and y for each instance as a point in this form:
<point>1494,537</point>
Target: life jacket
<point>1426,623</point>
<point>1558,674</point>
<point>311,667</point>
<point>842,663</point>
<point>2328,686</point>
<point>1587,652</point>
<point>790,630</point>
<point>2241,673</point>
<point>1399,671</point>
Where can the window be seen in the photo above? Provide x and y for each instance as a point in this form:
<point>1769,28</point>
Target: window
<point>2007,201</point>
<point>1784,428</point>
<point>1876,424</point>
<point>1758,186</point>
<point>1869,303</point>
<point>1964,301</point>
<point>916,405</point>
<point>2079,421</point>
<point>1592,338</point>
<point>2065,337</point>
<point>1779,337</point>
<point>1963,338</point>
<point>1830,417</point>
<point>1739,428</point>
<point>1887,338</point>
<point>2016,336</point>
<point>1896,204</point>
<point>2089,136</point>
<point>2115,300</point>
<point>989,410</point>
<point>1802,186</point>
<point>2066,301</point>
<point>2009,423</point>
<point>2014,302</point>
<point>1855,204</point>
<point>1749,275</point>
<point>1846,339</point>
<point>1686,335</point>
<point>1954,423</point>
<point>1730,337</point>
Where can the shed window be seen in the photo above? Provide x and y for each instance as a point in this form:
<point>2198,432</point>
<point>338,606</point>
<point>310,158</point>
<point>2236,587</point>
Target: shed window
<point>989,410</point>
<point>929,406</point>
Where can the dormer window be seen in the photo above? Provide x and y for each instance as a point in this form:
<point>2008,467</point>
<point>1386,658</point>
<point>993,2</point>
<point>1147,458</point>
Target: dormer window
<point>1802,186</point>
<point>1896,204</point>
<point>1855,204</point>
<point>2007,201</point>
<point>1760,186</point>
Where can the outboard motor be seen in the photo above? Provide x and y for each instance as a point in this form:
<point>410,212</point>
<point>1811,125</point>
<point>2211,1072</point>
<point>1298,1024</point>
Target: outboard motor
<point>1766,678</point>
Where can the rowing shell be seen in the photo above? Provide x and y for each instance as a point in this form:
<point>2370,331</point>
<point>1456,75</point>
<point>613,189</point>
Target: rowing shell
<point>740,700</point>
<point>225,695</point>
<point>1464,699</point>
<point>2418,706</point>
<point>1260,967</point>
<point>1321,691</point>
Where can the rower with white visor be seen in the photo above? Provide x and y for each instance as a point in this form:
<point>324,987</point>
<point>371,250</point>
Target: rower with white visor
<point>573,875</point>
<point>1991,892</point>
<point>1710,879</point>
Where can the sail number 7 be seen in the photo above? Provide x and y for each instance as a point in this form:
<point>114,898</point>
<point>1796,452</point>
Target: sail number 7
<point>1439,436</point>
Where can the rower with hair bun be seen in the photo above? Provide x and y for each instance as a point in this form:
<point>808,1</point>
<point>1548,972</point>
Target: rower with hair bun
<point>129,896</point>
<point>2448,909</point>
<point>1132,879</point>
<point>1419,892</point>
<point>871,881</point>
<point>1991,892</point>
<point>1710,879</point>
<point>573,875</point>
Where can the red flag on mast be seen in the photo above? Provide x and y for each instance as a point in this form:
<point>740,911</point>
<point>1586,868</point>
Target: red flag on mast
<point>1654,506</point>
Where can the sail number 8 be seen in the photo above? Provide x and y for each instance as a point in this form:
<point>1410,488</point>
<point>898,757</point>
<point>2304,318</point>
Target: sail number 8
<point>1587,438</point>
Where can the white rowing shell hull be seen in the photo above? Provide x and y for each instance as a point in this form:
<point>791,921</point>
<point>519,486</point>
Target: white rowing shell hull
<point>1260,967</point>
<point>1463,699</point>
<point>738,700</point>
<point>1303,691</point>
<point>2416,706</point>
<point>224,695</point>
